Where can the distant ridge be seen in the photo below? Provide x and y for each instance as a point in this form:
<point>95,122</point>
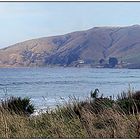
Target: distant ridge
<point>81,48</point>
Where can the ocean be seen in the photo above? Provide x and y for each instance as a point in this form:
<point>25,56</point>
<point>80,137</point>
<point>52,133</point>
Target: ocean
<point>52,86</point>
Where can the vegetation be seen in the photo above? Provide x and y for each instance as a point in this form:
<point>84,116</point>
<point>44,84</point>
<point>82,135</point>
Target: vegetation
<point>110,63</point>
<point>97,117</point>
<point>101,61</point>
<point>113,62</point>
<point>18,105</point>
<point>129,102</point>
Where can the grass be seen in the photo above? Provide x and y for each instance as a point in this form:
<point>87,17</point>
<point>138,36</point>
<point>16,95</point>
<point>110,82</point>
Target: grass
<point>98,118</point>
<point>18,105</point>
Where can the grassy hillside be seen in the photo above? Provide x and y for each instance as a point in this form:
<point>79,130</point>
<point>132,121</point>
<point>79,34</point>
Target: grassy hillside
<point>88,47</point>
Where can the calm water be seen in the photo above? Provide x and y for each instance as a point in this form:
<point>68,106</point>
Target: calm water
<point>45,86</point>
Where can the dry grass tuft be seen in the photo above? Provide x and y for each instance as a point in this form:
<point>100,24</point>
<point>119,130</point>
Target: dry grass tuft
<point>99,118</point>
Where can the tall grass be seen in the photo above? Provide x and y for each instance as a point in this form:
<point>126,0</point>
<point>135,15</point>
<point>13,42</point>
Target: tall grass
<point>99,118</point>
<point>18,105</point>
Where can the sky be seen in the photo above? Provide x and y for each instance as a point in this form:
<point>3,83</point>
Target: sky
<point>20,21</point>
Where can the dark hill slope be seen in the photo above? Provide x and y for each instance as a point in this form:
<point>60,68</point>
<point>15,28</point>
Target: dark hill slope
<point>89,46</point>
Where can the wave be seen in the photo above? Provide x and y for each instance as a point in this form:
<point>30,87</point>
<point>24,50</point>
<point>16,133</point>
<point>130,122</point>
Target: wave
<point>40,83</point>
<point>66,83</point>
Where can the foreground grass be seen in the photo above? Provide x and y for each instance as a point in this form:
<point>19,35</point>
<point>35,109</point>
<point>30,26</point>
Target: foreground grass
<point>98,118</point>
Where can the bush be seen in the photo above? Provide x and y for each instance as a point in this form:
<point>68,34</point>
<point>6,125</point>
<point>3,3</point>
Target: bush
<point>18,105</point>
<point>99,104</point>
<point>113,62</point>
<point>129,102</point>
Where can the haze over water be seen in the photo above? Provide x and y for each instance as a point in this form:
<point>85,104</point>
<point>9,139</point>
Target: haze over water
<point>46,86</point>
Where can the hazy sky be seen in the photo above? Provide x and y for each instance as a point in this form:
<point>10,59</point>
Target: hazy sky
<point>21,21</point>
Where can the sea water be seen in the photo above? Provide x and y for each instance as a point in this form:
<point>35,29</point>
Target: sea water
<point>51,86</point>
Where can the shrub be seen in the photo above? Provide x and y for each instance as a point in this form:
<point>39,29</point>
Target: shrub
<point>113,62</point>
<point>18,105</point>
<point>99,104</point>
<point>129,102</point>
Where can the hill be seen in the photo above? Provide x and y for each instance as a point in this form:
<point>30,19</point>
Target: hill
<point>91,47</point>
